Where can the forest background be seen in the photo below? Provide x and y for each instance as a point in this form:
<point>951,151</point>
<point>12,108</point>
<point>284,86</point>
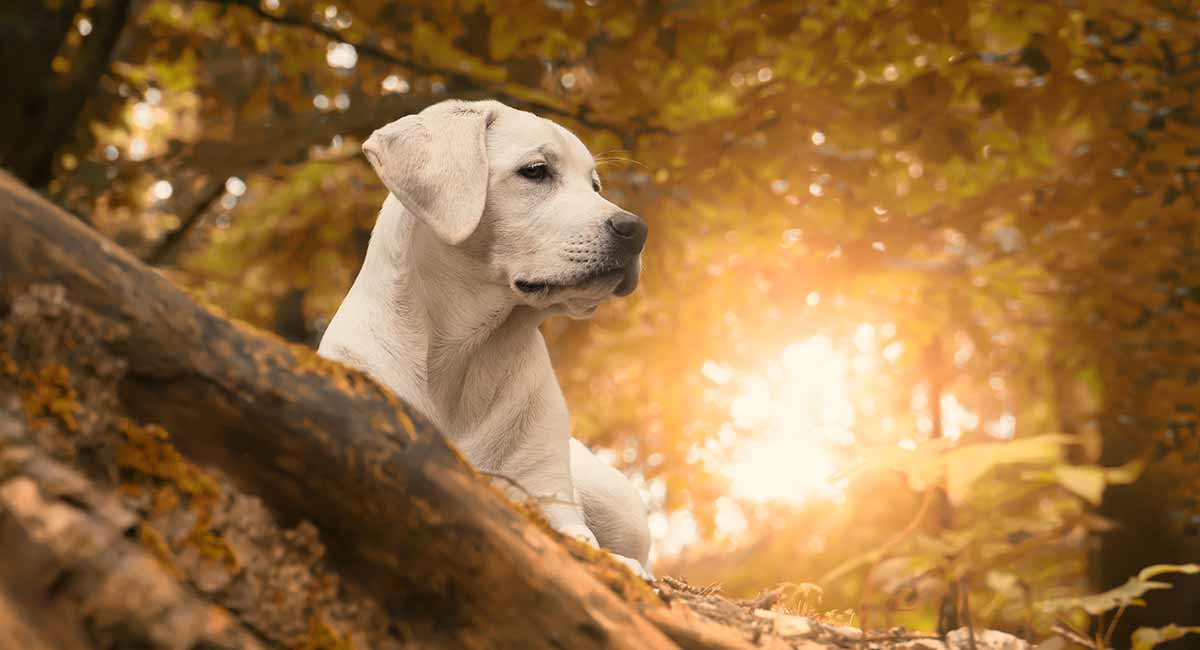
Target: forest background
<point>918,322</point>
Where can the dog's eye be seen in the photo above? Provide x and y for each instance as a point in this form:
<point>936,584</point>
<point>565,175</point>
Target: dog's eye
<point>535,172</point>
<point>596,186</point>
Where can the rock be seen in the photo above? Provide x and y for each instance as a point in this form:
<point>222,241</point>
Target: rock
<point>985,640</point>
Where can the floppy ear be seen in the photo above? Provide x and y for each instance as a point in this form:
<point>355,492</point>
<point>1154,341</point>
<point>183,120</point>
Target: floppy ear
<point>435,163</point>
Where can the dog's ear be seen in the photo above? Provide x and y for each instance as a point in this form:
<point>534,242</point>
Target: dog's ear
<point>435,163</point>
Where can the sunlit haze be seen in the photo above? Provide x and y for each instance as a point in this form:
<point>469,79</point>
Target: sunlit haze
<point>801,404</point>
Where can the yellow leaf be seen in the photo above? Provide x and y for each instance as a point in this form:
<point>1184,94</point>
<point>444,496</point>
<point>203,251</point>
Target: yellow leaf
<point>1159,569</point>
<point>503,40</point>
<point>928,26</point>
<point>1056,52</point>
<point>965,465</point>
<point>1086,481</point>
<point>1145,638</point>
<point>956,14</point>
<point>1125,474</point>
<point>1126,595</point>
<point>933,91</point>
<point>1018,112</point>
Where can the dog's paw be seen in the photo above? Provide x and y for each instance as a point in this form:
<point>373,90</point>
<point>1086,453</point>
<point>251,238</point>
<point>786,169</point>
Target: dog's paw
<point>585,535</point>
<point>581,533</point>
<point>635,566</point>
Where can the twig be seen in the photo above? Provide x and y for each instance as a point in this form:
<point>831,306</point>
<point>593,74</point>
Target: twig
<point>1071,635</point>
<point>165,250</point>
<point>765,600</point>
<point>829,633</point>
<point>681,585</point>
<point>915,636</point>
<point>908,530</point>
<point>1112,625</point>
<point>528,495</point>
<point>965,591</point>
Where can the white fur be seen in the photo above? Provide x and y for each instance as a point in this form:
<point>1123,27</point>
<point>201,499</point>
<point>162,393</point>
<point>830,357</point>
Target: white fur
<point>436,315</point>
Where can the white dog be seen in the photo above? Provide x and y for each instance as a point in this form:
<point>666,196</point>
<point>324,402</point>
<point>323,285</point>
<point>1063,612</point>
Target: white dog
<point>494,222</point>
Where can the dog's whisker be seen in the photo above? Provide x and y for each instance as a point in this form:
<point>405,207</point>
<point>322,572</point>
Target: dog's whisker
<point>614,161</point>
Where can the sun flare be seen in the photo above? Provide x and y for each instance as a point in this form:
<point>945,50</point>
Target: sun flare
<point>801,407</point>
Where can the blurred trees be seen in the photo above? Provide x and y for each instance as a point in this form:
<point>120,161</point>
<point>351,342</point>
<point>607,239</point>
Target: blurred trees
<point>1003,192</point>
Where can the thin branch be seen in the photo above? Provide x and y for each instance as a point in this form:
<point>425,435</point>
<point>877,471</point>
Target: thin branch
<point>912,526</point>
<point>965,591</point>
<point>529,496</point>
<point>1066,632</point>
<point>914,636</point>
<point>511,481</point>
<point>1112,625</point>
<point>166,249</point>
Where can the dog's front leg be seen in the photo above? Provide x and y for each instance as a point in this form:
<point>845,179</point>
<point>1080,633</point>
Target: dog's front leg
<point>533,456</point>
<point>543,472</point>
<point>566,516</point>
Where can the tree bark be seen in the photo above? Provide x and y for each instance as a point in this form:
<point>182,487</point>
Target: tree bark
<point>70,580</point>
<point>399,510</point>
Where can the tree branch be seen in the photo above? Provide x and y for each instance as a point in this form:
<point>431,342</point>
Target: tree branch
<point>462,82</point>
<point>167,249</point>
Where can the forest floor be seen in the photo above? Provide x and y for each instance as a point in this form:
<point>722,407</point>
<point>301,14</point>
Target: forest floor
<point>764,622</point>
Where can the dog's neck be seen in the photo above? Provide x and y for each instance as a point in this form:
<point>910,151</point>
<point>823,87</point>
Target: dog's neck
<point>437,326</point>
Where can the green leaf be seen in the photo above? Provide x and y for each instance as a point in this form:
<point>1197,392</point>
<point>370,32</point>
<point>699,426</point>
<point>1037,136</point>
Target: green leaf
<point>1128,594</point>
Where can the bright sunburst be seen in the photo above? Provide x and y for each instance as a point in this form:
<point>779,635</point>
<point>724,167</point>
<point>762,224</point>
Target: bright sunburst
<point>801,404</point>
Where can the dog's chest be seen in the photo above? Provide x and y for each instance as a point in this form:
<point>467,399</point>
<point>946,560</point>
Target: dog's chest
<point>497,404</point>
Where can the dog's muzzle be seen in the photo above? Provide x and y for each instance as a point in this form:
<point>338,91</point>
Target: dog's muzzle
<point>629,279</point>
<point>625,277</point>
<point>620,268</point>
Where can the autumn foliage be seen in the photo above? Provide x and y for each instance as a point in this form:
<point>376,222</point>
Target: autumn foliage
<point>981,215</point>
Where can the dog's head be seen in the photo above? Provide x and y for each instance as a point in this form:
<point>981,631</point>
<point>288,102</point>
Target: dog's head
<point>515,196</point>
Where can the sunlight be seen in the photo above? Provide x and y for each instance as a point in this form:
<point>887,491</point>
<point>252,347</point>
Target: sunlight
<point>801,405</point>
<point>784,467</point>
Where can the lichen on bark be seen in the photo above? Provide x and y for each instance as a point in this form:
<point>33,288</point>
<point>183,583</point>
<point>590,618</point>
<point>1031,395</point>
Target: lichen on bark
<point>223,545</point>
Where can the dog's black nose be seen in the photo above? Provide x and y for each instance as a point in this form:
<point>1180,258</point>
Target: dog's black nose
<point>629,230</point>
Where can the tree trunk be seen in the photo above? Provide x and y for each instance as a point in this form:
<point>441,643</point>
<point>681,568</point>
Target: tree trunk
<point>42,104</point>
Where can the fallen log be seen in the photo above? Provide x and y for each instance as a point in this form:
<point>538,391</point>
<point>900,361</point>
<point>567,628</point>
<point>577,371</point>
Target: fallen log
<point>398,509</point>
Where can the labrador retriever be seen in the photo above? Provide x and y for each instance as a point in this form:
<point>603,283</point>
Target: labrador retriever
<point>494,221</point>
